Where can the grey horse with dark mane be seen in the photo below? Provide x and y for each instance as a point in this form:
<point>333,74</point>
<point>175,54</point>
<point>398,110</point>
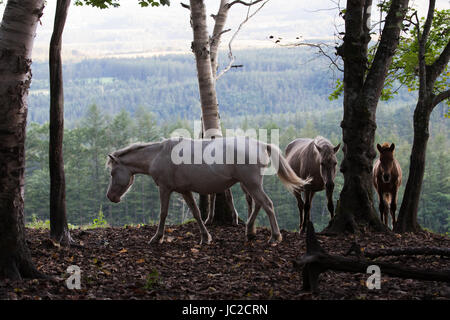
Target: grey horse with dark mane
<point>205,167</point>
<point>315,158</point>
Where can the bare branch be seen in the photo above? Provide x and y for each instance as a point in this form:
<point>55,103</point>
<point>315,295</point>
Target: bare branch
<point>248,17</point>
<point>185,6</point>
<point>318,46</point>
<point>243,3</point>
<point>214,37</point>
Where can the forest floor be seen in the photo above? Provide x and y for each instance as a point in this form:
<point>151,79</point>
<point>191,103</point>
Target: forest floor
<point>119,263</point>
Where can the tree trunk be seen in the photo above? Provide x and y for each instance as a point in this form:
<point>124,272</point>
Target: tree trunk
<point>220,19</point>
<point>202,48</point>
<point>407,218</point>
<point>59,230</point>
<point>362,89</point>
<point>17,33</point>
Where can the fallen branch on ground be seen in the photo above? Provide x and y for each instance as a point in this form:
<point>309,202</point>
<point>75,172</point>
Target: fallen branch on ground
<point>317,260</point>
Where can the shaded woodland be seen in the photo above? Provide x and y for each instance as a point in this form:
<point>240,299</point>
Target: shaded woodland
<point>57,169</point>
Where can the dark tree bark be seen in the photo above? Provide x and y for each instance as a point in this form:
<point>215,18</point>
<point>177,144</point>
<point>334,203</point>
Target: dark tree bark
<point>17,33</point>
<point>407,218</point>
<point>362,89</point>
<point>59,230</point>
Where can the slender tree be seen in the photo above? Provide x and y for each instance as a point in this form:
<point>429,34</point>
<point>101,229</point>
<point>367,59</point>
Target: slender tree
<point>362,91</point>
<point>430,96</point>
<point>17,33</point>
<point>205,49</point>
<point>59,230</point>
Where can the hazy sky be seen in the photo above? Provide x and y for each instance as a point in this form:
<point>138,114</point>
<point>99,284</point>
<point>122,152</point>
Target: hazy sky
<point>129,28</point>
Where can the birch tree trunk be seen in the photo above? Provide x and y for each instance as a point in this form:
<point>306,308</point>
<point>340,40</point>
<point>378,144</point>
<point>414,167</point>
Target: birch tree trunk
<point>17,33</point>
<point>362,90</point>
<point>59,229</point>
<point>206,61</point>
<point>201,48</point>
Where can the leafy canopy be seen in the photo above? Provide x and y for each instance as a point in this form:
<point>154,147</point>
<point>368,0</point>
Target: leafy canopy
<point>104,4</point>
<point>403,70</point>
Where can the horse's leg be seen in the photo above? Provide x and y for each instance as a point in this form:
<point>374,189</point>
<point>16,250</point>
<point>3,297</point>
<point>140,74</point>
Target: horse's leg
<point>261,198</point>
<point>249,200</point>
<point>300,205</point>
<point>212,207</point>
<point>229,200</point>
<point>164,198</point>
<point>330,205</point>
<point>381,204</point>
<point>307,214</point>
<point>205,236</point>
<point>393,207</point>
<point>250,229</point>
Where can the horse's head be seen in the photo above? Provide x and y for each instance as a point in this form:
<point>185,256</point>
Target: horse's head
<point>121,179</point>
<point>328,162</point>
<point>386,160</point>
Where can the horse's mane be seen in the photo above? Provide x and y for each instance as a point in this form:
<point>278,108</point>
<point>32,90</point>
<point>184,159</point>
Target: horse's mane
<point>309,152</point>
<point>133,147</point>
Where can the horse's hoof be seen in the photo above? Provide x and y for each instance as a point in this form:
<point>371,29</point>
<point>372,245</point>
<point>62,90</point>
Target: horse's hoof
<point>207,241</point>
<point>275,239</point>
<point>156,239</point>
<point>251,236</point>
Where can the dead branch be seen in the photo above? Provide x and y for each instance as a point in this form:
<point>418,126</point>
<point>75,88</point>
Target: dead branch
<point>184,5</point>
<point>317,260</point>
<point>247,18</point>
<point>413,251</point>
<point>216,36</point>
<point>319,46</point>
<point>248,4</point>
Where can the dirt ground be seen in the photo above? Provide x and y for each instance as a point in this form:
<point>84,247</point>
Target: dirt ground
<point>119,263</point>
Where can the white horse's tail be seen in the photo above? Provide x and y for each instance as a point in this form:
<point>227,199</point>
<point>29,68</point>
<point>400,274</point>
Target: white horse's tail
<point>287,176</point>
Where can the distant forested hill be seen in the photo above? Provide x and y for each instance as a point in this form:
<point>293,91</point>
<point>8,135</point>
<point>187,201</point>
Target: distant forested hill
<point>110,103</point>
<point>271,81</point>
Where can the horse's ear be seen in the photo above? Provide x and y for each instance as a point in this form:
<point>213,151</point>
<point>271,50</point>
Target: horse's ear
<point>317,147</point>
<point>379,147</point>
<point>392,147</point>
<point>336,149</point>
<point>114,159</point>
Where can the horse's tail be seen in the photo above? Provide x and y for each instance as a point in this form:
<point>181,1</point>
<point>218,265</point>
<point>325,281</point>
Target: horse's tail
<point>287,176</point>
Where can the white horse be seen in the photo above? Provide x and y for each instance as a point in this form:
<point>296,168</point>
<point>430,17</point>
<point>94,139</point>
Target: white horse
<point>203,166</point>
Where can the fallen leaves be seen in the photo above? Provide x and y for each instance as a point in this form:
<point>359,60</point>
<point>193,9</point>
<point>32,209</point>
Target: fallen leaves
<point>229,268</point>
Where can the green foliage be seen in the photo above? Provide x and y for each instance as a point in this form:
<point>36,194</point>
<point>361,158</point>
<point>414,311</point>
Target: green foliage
<point>100,221</point>
<point>404,67</point>
<point>36,223</point>
<point>403,71</point>
<point>153,280</point>
<point>104,4</point>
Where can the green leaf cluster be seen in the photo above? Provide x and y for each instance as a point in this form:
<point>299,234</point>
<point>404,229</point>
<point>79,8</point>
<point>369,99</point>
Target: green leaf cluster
<point>104,4</point>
